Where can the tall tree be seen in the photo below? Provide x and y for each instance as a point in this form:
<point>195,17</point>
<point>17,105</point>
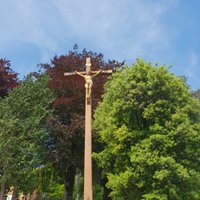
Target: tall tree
<point>66,127</point>
<point>149,125</point>
<point>22,128</point>
<point>8,80</point>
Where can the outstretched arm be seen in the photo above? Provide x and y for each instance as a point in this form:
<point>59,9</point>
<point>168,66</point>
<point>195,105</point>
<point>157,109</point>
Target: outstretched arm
<point>97,73</point>
<point>80,74</point>
<point>69,73</point>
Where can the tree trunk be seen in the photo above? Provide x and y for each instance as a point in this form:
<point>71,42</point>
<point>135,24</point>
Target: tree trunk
<point>69,183</point>
<point>3,187</point>
<point>77,184</point>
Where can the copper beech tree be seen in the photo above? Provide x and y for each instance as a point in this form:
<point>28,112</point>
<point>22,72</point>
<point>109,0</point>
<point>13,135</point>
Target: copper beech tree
<point>8,78</point>
<point>66,127</point>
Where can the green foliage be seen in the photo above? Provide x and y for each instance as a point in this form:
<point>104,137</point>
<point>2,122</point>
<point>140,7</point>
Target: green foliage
<point>22,131</point>
<point>55,192</point>
<point>149,125</point>
<point>97,192</point>
<point>78,190</point>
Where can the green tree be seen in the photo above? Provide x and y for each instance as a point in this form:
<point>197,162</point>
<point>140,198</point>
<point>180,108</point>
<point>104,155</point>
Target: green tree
<point>8,80</point>
<point>149,125</point>
<point>22,129</point>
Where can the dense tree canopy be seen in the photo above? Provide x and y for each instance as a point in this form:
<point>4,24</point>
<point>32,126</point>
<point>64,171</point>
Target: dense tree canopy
<point>149,125</point>
<point>22,129</point>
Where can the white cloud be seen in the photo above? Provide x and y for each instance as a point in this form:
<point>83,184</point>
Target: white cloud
<point>193,64</point>
<point>194,59</point>
<point>41,39</point>
<point>121,29</point>
<point>29,22</point>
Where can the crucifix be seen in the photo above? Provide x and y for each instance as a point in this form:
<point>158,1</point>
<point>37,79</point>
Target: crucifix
<point>88,75</point>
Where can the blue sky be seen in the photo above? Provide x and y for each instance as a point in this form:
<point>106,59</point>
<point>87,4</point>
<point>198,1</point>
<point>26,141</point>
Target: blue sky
<point>163,31</point>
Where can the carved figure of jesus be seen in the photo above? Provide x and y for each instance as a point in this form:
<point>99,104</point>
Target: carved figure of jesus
<point>88,81</point>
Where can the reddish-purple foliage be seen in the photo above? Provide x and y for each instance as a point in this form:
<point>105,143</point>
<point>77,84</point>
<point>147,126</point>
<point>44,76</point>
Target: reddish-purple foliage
<point>8,78</point>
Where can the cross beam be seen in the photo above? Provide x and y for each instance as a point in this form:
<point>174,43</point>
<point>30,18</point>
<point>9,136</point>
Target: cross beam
<point>88,75</point>
<point>88,69</point>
